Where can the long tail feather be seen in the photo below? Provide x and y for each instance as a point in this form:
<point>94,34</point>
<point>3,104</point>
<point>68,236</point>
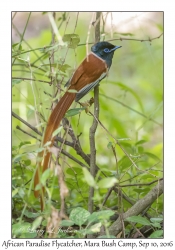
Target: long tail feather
<point>53,123</point>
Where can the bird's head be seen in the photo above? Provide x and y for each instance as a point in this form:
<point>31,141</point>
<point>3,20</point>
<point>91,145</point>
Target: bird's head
<point>105,51</point>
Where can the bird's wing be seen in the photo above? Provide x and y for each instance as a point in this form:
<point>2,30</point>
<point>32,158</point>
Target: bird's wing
<point>88,88</point>
<point>90,72</point>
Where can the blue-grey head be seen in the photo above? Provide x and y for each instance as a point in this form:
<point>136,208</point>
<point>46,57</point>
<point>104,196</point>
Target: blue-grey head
<point>105,51</point>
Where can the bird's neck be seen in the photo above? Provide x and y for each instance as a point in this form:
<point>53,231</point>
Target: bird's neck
<point>107,59</point>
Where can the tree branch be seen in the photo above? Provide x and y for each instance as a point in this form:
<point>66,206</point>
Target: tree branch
<point>26,123</point>
<point>137,208</point>
<point>30,79</point>
<point>25,132</point>
<point>94,125</point>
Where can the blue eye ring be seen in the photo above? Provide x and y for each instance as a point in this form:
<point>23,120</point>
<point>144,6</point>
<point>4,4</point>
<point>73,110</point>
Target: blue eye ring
<point>106,50</point>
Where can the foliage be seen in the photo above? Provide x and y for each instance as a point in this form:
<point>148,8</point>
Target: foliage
<point>131,115</point>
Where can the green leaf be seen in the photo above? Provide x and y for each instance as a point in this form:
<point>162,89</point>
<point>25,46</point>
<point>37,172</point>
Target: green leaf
<point>79,216</point>
<point>64,16</point>
<point>154,157</point>
<point>17,47</point>
<point>14,148</point>
<point>23,61</point>
<point>18,157</point>
<point>27,162</point>
<point>89,178</point>
<point>61,67</point>
<point>49,48</point>
<point>157,234</point>
<point>44,223</point>
<point>107,182</point>
<point>101,215</point>
<point>140,150</point>
<point>156,220</point>
<point>38,150</point>
<point>95,228</point>
<point>14,45</point>
<point>73,112</point>
<point>45,176</point>
<point>21,192</point>
<point>38,187</point>
<point>140,142</point>
<point>74,171</point>
<point>66,223</point>
<point>29,214</point>
<point>40,124</point>
<point>138,219</point>
<point>15,81</point>
<point>36,223</point>
<point>109,145</point>
<point>97,197</point>
<point>20,228</point>
<point>29,235</point>
<point>15,191</point>
<point>81,233</point>
<point>141,190</point>
<point>72,40</point>
<point>24,143</point>
<point>57,131</point>
<point>156,224</point>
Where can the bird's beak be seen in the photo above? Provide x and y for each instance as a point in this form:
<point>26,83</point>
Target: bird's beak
<point>116,47</point>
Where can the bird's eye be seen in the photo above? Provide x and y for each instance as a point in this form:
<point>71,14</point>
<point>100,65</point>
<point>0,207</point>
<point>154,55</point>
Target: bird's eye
<point>106,50</point>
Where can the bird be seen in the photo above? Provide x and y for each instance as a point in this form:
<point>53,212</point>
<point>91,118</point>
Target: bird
<point>87,76</point>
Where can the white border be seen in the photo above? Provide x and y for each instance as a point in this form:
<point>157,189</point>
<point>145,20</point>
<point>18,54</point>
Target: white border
<point>5,94</point>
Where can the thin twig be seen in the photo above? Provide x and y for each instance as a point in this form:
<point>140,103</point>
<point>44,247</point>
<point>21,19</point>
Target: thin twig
<point>83,44</point>
<point>76,144</point>
<point>26,123</point>
<point>77,149</point>
<point>107,195</point>
<point>88,34</point>
<point>36,67</point>
<point>14,15</point>
<point>137,229</point>
<point>129,39</point>
<point>141,184</point>
<point>76,22</point>
<point>22,130</point>
<point>117,142</point>
<point>34,129</point>
<point>134,39</point>
<point>115,155</point>
<point>73,158</point>
<point>51,57</point>
<point>25,78</point>
<point>129,107</point>
<point>94,126</point>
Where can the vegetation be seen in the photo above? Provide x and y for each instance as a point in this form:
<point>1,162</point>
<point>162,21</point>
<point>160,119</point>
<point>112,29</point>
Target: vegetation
<point>117,191</point>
